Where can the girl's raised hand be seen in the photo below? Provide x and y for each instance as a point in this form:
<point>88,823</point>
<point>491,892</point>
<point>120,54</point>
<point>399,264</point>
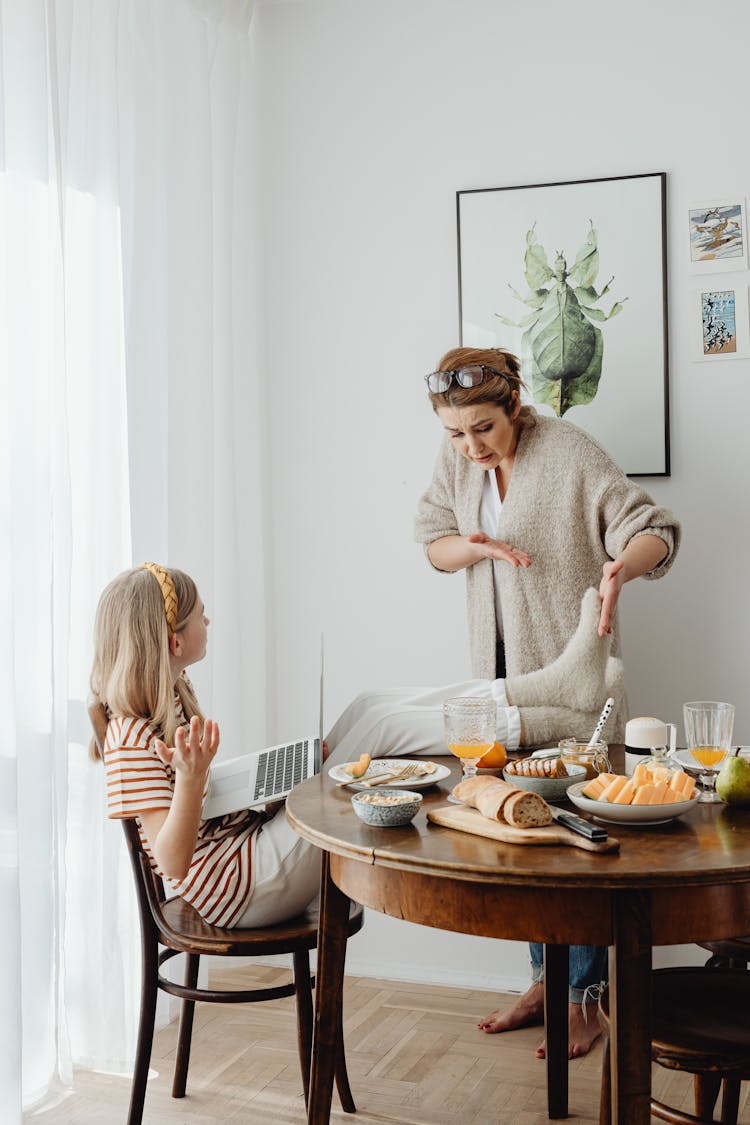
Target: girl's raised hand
<point>191,753</point>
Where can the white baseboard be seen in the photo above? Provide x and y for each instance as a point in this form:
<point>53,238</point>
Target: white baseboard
<point>408,973</point>
<point>418,974</point>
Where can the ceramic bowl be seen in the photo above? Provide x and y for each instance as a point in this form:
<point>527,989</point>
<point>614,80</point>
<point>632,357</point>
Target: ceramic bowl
<point>630,814</point>
<point>551,788</point>
<point>386,816</point>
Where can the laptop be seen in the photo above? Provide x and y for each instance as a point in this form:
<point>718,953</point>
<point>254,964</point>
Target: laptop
<point>264,775</point>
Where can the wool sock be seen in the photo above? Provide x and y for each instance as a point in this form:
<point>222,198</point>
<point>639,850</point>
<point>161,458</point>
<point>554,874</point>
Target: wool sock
<point>581,677</point>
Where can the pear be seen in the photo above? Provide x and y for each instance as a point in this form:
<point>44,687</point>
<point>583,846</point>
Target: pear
<point>733,781</point>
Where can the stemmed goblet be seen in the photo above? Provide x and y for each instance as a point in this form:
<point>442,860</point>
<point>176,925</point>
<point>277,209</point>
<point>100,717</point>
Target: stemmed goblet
<point>469,729</point>
<point>708,734</point>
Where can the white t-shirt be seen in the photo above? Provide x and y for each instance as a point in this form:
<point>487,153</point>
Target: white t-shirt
<point>489,513</point>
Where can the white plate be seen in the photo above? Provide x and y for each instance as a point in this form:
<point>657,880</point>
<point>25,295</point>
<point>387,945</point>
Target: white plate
<point>629,814</point>
<point>380,766</point>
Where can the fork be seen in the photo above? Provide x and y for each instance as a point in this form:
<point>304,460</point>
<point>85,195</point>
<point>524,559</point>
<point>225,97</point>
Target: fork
<point>412,770</point>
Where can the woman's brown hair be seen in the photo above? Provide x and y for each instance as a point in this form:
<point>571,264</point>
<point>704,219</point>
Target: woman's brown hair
<point>502,390</point>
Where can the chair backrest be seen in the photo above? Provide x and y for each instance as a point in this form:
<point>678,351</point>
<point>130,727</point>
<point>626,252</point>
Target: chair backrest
<point>148,885</point>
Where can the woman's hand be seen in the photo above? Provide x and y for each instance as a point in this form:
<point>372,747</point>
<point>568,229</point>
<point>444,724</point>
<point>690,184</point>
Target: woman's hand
<point>191,755</point>
<point>613,579</point>
<point>642,554</point>
<point>496,549</point>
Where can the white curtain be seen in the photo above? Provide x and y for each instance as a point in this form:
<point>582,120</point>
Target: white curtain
<point>130,430</point>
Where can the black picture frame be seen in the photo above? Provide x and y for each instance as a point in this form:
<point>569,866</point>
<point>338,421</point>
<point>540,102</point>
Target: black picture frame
<point>583,232</point>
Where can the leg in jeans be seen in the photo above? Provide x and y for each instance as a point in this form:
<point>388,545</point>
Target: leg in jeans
<point>588,968</point>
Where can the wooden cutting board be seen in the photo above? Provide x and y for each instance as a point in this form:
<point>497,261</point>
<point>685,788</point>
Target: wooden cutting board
<point>469,820</point>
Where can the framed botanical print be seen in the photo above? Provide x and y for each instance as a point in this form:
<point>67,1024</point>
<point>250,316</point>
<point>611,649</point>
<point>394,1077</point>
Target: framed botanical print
<point>572,278</point>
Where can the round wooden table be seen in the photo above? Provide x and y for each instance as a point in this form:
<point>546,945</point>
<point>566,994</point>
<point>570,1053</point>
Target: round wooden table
<point>685,881</point>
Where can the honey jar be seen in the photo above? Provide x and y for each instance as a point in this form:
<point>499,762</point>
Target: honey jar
<point>594,759</point>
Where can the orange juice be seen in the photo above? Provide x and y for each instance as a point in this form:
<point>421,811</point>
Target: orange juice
<point>469,749</point>
<point>708,755</point>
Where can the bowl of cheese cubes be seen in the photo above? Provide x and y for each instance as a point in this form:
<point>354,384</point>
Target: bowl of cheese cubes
<point>653,795</point>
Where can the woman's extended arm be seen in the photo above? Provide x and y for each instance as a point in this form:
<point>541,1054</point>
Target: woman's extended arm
<point>172,834</point>
<point>642,554</point>
<point>455,552</point>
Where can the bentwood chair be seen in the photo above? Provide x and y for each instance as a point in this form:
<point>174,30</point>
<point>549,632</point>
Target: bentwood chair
<point>177,927</point>
<point>733,953</point>
<point>700,1025</point>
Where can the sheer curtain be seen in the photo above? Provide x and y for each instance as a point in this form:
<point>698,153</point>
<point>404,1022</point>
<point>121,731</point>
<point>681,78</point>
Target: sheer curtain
<point>129,430</point>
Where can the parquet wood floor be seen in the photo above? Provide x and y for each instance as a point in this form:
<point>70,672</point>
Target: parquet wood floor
<point>414,1053</point>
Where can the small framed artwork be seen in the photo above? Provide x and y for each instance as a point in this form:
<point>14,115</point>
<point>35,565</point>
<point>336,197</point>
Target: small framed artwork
<point>572,278</point>
<point>722,319</point>
<point>718,236</point>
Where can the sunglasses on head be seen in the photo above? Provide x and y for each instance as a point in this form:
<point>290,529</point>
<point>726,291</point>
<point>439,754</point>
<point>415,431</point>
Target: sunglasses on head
<point>471,376</point>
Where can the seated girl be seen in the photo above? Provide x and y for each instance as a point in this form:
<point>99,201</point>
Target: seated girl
<point>250,868</point>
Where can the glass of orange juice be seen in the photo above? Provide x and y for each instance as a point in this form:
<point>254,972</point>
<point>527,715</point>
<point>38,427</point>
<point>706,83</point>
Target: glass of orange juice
<point>708,734</point>
<point>469,729</point>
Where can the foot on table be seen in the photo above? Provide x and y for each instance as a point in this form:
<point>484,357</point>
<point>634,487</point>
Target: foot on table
<point>527,1011</point>
<point>582,1031</point>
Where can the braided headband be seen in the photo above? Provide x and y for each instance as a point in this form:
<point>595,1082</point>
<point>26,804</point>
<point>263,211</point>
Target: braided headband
<point>168,592</point>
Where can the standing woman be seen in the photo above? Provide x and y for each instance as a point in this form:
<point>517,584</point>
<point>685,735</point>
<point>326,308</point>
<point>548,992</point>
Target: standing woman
<point>534,511</point>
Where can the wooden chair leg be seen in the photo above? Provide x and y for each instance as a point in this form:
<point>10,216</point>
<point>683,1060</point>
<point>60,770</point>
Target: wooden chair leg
<point>730,1101</point>
<point>605,1096</point>
<point>149,991</point>
<point>706,1090</point>
<point>179,1082</point>
<point>303,1000</point>
<point>340,1073</point>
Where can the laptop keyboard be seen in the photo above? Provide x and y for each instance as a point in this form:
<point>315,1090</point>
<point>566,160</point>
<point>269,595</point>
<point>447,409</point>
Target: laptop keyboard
<point>280,769</point>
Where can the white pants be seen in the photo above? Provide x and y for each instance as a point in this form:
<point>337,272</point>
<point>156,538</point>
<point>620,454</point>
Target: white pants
<point>386,723</point>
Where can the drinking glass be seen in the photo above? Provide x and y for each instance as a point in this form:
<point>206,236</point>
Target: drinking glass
<point>708,733</point>
<point>469,729</point>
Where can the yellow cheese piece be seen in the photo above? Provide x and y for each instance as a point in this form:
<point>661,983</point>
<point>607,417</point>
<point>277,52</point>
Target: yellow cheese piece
<point>615,786</point>
<point>641,775</point>
<point>682,784</point>
<point>626,794</point>
<point>688,788</point>
<point>593,789</point>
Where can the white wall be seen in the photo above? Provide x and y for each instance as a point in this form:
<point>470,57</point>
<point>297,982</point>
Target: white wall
<point>373,116</point>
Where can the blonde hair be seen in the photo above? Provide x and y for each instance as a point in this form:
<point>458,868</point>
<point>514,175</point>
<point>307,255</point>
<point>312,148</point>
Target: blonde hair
<point>502,390</point>
<point>131,674</point>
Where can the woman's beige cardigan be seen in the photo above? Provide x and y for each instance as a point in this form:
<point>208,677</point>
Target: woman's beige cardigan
<point>571,508</point>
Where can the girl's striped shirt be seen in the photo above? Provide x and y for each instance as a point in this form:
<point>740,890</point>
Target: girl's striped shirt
<point>219,883</point>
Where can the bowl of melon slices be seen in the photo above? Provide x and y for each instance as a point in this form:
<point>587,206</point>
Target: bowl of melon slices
<point>653,795</point>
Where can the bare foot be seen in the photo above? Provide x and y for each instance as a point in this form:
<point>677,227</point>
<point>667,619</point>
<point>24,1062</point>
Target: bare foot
<point>527,1011</point>
<point>581,1032</point>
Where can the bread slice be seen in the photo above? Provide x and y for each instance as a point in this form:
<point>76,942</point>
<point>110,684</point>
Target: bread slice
<point>527,810</point>
<point>497,800</point>
<point>537,767</point>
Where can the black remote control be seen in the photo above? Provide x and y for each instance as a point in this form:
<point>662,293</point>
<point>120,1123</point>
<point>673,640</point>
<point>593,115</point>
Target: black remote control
<point>582,827</point>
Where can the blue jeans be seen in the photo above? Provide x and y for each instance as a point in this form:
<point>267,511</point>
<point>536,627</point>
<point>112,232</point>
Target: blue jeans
<point>587,966</point>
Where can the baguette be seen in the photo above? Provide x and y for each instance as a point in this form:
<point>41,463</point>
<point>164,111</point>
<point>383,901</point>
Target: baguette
<point>537,767</point>
<point>497,800</point>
